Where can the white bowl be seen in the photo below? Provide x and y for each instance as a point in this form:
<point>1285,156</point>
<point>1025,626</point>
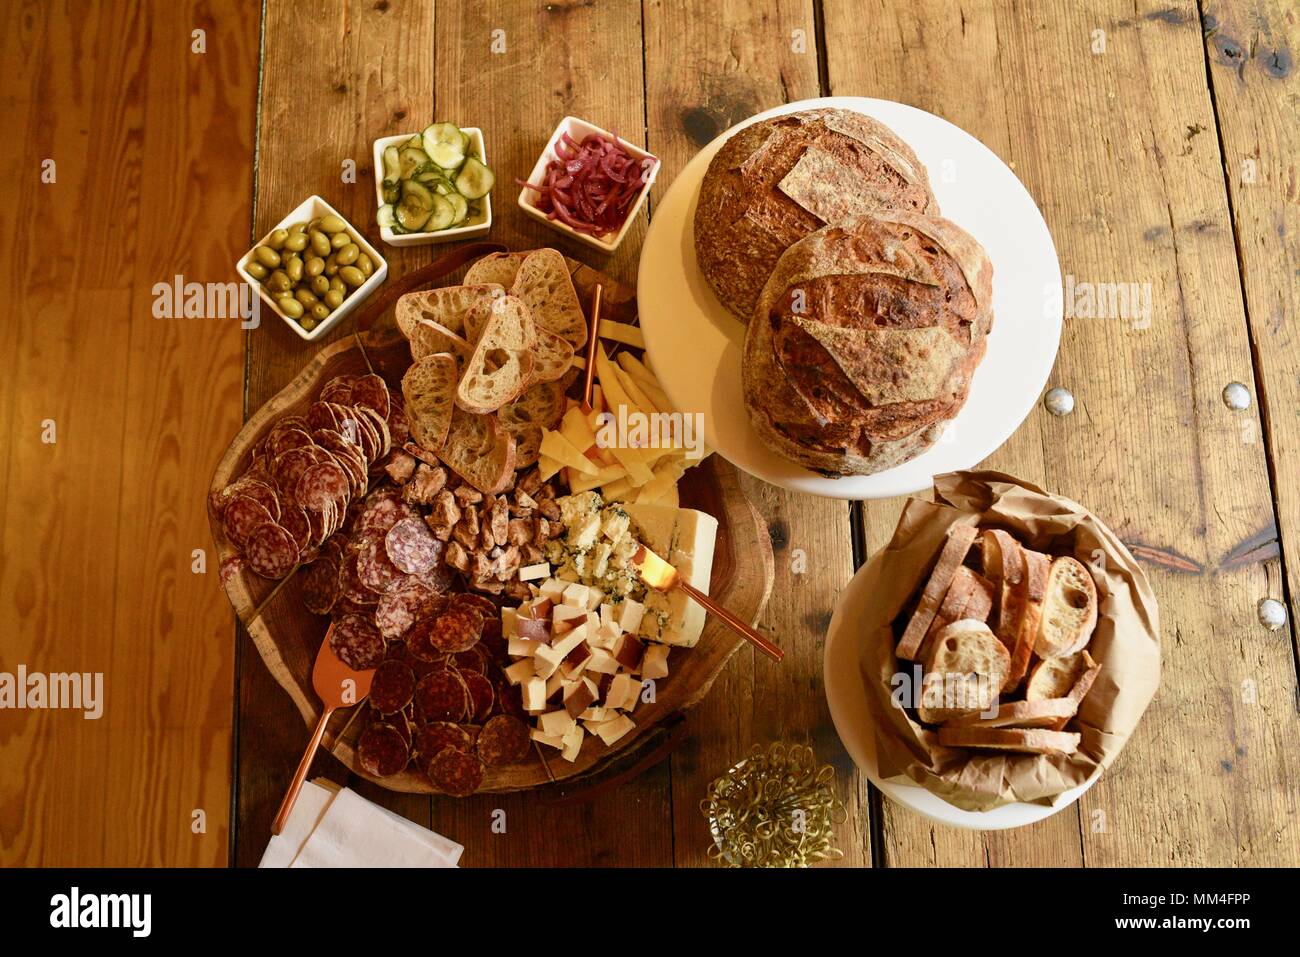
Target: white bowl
<point>313,207</point>
<point>577,130</point>
<point>441,235</point>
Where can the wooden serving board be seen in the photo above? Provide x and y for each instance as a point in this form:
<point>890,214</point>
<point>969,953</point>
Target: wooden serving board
<point>288,636</point>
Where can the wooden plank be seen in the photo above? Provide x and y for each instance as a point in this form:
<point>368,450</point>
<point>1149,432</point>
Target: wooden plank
<point>100,525</point>
<point>556,59</point>
<point>1131,195</point>
<point>334,79</point>
<point>707,67</point>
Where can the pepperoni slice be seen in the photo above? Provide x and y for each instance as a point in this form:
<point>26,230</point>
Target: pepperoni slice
<point>411,546</point>
<point>482,695</point>
<point>433,737</point>
<point>242,515</point>
<point>503,740</point>
<point>455,772</point>
<point>392,687</point>
<point>320,585</point>
<point>441,696</point>
<point>271,551</point>
<point>382,751</point>
<point>457,629</point>
<point>357,642</point>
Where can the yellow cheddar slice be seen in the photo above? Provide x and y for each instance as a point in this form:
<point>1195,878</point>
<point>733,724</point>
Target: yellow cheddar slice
<point>622,332</point>
<point>556,446</point>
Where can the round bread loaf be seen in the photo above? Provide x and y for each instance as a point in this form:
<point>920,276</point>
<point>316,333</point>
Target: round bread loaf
<point>865,339</point>
<point>776,181</point>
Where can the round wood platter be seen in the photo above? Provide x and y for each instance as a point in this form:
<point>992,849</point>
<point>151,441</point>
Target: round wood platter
<point>288,636</point>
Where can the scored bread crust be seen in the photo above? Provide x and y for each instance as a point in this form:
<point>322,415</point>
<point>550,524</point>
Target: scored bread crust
<point>865,340</point>
<point>744,221</point>
<point>429,397</point>
<point>500,268</point>
<point>544,284</point>
<point>446,306</point>
<point>1046,713</point>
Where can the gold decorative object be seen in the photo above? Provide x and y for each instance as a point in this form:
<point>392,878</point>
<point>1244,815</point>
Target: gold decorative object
<point>775,808</point>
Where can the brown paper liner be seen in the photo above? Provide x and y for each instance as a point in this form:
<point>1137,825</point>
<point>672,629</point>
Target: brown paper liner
<point>1126,641</point>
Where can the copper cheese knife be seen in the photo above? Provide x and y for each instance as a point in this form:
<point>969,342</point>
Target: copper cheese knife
<point>661,576</point>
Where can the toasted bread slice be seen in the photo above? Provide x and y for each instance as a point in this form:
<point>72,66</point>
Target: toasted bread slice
<point>544,283</point>
<point>964,672</point>
<point>552,356</point>
<point>1004,565</point>
<point>497,268</point>
<point>528,416</point>
<point>446,306</point>
<point>480,451</point>
<point>429,392</point>
<point>1083,685</point>
<point>1023,714</point>
<point>429,338</point>
<point>1033,741</point>
<point>502,364</point>
<point>954,551</point>
<point>1029,593</point>
<point>1069,609</point>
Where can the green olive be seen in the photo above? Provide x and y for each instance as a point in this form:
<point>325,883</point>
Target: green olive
<point>333,224</point>
<point>293,266</point>
<point>320,243</point>
<point>334,298</point>
<point>351,275</point>
<point>297,228</point>
<point>290,307</point>
<point>308,323</point>
<point>337,283</point>
<point>296,242</point>
<point>277,238</point>
<point>320,312</point>
<point>365,265</point>
<point>331,265</point>
<point>267,256</point>
<point>279,281</point>
<point>319,285</point>
<point>348,254</point>
<point>315,266</point>
<point>339,240</point>
<point>257,270</point>
<point>305,296</point>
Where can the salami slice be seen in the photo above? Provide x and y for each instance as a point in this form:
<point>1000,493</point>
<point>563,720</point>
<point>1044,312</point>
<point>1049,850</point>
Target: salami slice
<point>456,629</point>
<point>338,389</point>
<point>469,600</point>
<point>472,660</point>
<point>357,642</point>
<point>510,699</point>
<point>411,546</point>
<point>382,511</point>
<point>503,740</point>
<point>440,577</point>
<point>455,772</point>
<point>433,737</point>
<point>352,587</point>
<point>401,606</point>
<point>288,467</point>
<point>441,696</point>
<point>391,687</point>
<point>230,568</point>
<point>320,586</point>
<point>321,416</point>
<point>375,569</point>
<point>382,751</point>
<point>294,521</point>
<point>244,514</point>
<point>284,437</point>
<point>420,643</point>
<point>399,427</point>
<point>402,722</point>
<point>482,696</point>
<point>322,486</point>
<point>270,551</point>
<point>371,391</point>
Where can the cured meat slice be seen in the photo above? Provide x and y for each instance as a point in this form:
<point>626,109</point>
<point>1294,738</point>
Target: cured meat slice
<point>392,687</point>
<point>399,427</point>
<point>401,606</point>
<point>338,389</point>
<point>510,699</point>
<point>419,641</point>
<point>284,437</point>
<point>321,416</point>
<point>470,600</point>
<point>440,577</point>
<point>503,740</point>
<point>270,551</point>
<point>320,586</point>
<point>382,751</point>
<point>375,569</point>
<point>322,485</point>
<point>242,516</point>
<point>472,660</point>
<point>456,629</point>
<point>441,696</point>
<point>288,467</point>
<point>455,772</point>
<point>371,391</point>
<point>357,642</point>
<point>482,696</point>
<point>382,510</point>
<point>294,521</point>
<point>412,547</point>
<point>352,587</point>
<point>433,737</point>
<point>402,722</point>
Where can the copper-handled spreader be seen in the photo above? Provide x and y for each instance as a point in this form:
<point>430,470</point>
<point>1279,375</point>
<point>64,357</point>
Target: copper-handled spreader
<point>661,576</point>
<point>593,337</point>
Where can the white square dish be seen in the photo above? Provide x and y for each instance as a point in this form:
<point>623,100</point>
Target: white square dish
<point>313,207</point>
<point>578,130</point>
<point>470,231</point>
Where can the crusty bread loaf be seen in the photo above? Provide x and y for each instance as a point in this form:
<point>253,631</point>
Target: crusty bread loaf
<point>865,341</point>
<point>501,367</point>
<point>500,268</point>
<point>480,451</point>
<point>953,553</point>
<point>1046,713</point>
<point>1069,609</point>
<point>964,672</point>
<point>1032,590</point>
<point>776,181</point>
<point>544,284</point>
<point>429,394</point>
<point>1010,739</point>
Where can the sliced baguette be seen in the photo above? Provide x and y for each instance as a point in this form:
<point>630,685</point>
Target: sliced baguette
<point>1029,595</point>
<point>1054,677</point>
<point>480,451</point>
<point>429,338</point>
<point>446,306</point>
<point>544,283</point>
<point>502,364</point>
<point>980,604</point>
<point>1047,713</point>
<point>498,268</point>
<point>951,608</point>
<point>1069,610</point>
<point>1082,686</point>
<point>552,356</point>
<point>954,551</point>
<point>527,417</point>
<point>429,393</point>
<point>964,672</point>
<point>1033,741</point>
<point>1004,565</point>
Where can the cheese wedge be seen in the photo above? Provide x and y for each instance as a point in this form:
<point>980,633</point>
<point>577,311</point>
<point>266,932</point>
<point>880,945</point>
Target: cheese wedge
<point>684,538</point>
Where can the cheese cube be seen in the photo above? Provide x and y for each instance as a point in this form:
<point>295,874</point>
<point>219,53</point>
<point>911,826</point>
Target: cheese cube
<point>596,715</point>
<point>563,644</point>
<point>545,660</point>
<point>556,722</point>
<point>554,683</point>
<point>568,615</point>
<point>629,614</point>
<point>534,694</point>
<point>623,686</point>
<point>606,637</point>
<point>594,597</point>
<point>553,588</point>
<point>573,743</point>
<point>655,662</point>
<point>520,671</point>
<point>532,572</point>
<point>575,596</point>
<point>602,662</point>
<point>610,731</point>
<point>518,647</point>
<point>607,614</point>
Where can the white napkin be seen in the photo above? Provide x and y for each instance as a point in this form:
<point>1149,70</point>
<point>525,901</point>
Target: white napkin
<point>343,829</point>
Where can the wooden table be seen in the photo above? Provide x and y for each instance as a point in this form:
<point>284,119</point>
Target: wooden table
<point>1159,139</point>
